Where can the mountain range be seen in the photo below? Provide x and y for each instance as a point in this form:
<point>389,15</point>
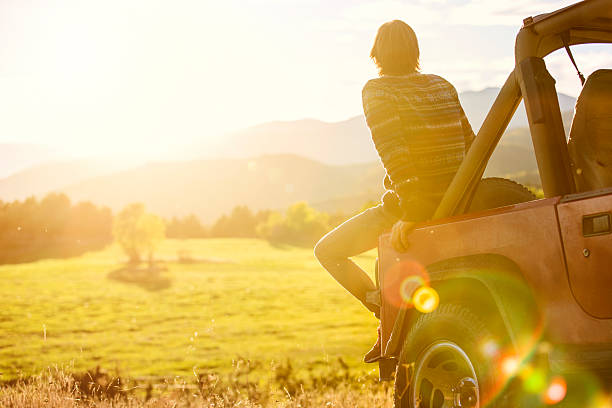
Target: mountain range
<point>209,188</point>
<point>333,166</point>
<point>15,157</point>
<point>343,142</point>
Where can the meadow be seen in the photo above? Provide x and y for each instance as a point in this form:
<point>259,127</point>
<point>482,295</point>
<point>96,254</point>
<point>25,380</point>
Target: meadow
<point>209,305</point>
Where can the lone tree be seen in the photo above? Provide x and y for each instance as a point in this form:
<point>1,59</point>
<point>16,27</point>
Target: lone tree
<point>138,232</point>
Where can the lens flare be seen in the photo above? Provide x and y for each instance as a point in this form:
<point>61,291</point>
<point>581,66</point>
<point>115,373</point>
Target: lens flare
<point>534,380</point>
<point>426,299</point>
<point>603,401</point>
<point>409,286</point>
<point>556,391</point>
<point>509,365</point>
<point>400,282</point>
<point>490,348</point>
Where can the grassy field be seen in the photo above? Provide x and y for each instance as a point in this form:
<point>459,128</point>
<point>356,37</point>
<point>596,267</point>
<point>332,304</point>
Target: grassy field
<point>237,298</point>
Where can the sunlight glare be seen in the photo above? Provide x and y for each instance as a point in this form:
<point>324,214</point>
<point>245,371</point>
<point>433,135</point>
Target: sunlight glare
<point>510,365</point>
<point>409,286</point>
<point>490,348</point>
<point>402,281</point>
<point>534,380</point>
<point>426,299</point>
<point>556,391</point>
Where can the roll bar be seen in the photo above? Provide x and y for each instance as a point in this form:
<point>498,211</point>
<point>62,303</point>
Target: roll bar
<point>589,21</point>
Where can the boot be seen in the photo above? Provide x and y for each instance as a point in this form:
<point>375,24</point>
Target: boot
<point>375,352</point>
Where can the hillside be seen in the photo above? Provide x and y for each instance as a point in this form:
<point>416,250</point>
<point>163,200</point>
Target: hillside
<point>210,188</point>
<point>337,143</point>
<point>333,166</point>
<point>15,157</point>
<point>476,105</point>
<point>43,178</point>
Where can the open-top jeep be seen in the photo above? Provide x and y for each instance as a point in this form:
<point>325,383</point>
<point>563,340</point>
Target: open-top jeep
<point>513,305</point>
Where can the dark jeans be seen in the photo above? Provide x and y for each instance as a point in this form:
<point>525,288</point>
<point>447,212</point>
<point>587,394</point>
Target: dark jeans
<point>353,237</point>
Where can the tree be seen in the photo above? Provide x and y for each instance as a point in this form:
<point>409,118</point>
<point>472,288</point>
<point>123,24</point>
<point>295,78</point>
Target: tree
<point>51,227</point>
<point>240,223</point>
<point>187,227</point>
<point>301,225</point>
<point>55,210</point>
<point>138,232</point>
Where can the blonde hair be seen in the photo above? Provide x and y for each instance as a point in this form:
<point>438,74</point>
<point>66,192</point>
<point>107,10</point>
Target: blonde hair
<point>396,49</point>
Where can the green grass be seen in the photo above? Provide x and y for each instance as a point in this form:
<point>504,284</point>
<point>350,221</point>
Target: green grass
<point>244,298</point>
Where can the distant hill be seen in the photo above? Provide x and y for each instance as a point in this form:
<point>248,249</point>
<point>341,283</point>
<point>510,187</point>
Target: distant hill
<point>343,142</point>
<point>476,105</point>
<point>333,143</point>
<point>19,156</point>
<point>336,143</point>
<point>43,178</point>
<point>333,166</point>
<point>209,188</point>
<point>514,157</point>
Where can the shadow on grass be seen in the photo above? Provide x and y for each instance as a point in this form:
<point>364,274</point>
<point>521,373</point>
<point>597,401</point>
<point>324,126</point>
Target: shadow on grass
<point>185,257</point>
<point>204,261</point>
<point>148,278</point>
<point>287,246</point>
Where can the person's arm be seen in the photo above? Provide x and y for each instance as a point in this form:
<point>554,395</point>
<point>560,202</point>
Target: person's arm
<point>382,117</point>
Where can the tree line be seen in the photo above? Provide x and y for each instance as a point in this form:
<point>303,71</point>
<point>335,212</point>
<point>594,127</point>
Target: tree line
<point>53,227</point>
<point>300,224</point>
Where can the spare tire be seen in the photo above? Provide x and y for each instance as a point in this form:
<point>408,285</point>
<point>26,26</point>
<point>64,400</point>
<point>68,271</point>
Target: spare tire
<point>494,192</point>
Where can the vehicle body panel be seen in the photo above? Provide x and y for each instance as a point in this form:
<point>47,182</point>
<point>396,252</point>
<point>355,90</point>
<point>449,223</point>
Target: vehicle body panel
<point>518,233</point>
<point>589,257</point>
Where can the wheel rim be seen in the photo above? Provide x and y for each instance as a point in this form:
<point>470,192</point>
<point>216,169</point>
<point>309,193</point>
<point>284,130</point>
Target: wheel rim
<point>444,377</point>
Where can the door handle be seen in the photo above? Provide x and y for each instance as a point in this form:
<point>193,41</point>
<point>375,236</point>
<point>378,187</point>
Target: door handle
<point>596,224</point>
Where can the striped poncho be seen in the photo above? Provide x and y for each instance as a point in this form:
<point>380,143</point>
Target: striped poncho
<point>418,127</point>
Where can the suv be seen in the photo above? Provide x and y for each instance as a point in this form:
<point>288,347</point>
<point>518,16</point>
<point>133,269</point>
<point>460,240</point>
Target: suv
<point>513,305</point>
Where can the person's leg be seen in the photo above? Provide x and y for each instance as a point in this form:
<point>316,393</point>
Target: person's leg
<point>351,238</point>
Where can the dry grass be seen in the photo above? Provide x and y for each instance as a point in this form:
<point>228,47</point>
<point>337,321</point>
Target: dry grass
<point>57,388</point>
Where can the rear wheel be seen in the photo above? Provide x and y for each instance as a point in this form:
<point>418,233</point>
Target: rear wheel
<point>441,364</point>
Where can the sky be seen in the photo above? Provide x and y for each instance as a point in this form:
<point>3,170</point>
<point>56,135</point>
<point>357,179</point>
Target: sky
<point>144,76</point>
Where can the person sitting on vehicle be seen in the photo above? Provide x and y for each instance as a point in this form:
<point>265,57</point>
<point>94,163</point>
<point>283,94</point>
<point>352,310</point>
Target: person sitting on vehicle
<point>421,134</point>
